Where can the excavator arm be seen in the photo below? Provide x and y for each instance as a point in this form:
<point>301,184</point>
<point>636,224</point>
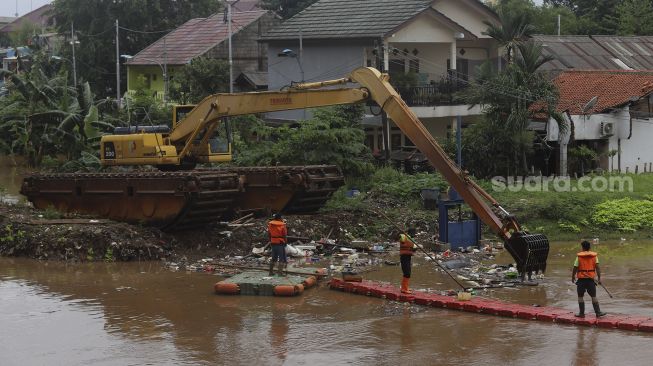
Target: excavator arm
<point>530,251</point>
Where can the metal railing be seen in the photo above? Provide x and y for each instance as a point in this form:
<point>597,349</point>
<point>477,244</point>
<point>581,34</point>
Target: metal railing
<point>446,91</point>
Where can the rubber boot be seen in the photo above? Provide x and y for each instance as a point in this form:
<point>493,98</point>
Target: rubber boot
<point>405,281</point>
<point>280,269</point>
<point>597,310</point>
<point>581,306</point>
<point>271,268</point>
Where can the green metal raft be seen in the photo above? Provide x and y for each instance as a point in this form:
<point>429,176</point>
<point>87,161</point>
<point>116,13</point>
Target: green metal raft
<point>259,283</point>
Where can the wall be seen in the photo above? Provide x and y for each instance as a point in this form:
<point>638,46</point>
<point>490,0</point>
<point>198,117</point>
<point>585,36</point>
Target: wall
<point>320,61</point>
<point>467,15</point>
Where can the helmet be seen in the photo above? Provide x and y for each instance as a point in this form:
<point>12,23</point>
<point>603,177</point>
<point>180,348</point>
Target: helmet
<point>276,216</point>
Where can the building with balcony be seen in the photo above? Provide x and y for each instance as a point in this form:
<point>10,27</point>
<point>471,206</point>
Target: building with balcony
<point>429,48</point>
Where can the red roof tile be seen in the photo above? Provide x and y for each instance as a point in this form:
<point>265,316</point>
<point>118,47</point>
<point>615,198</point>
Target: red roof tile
<point>613,89</point>
<point>194,38</point>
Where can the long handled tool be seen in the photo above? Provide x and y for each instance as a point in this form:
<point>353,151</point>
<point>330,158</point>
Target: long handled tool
<point>422,249</point>
<point>606,290</point>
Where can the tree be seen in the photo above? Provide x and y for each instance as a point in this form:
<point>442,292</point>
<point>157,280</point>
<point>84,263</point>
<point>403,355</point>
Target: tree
<point>286,8</point>
<point>94,22</point>
<point>204,76</point>
<point>333,136</point>
<point>45,116</point>
<point>635,17</point>
<point>514,28</point>
<point>510,99</point>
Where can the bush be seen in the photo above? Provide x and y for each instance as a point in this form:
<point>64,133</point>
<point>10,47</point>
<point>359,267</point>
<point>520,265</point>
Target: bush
<point>624,214</point>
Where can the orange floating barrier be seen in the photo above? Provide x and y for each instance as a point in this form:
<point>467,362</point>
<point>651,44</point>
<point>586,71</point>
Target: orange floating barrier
<point>495,307</point>
<point>226,288</point>
<point>310,282</point>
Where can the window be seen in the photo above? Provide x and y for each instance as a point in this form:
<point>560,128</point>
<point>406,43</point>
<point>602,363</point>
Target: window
<point>397,66</point>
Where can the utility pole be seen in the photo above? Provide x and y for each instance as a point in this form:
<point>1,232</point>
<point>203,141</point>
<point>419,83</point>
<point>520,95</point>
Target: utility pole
<point>558,25</point>
<point>385,124</point>
<point>231,61</point>
<point>165,71</point>
<point>118,98</point>
<point>72,43</point>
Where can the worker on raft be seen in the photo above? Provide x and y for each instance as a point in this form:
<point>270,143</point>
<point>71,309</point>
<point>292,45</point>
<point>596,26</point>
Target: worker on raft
<point>406,250</point>
<point>278,234</point>
<point>586,267</point>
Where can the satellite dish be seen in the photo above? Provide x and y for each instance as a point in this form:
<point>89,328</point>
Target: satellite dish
<point>588,107</point>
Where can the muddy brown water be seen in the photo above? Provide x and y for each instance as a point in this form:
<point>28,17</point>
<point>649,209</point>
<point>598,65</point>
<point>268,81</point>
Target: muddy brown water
<point>142,314</point>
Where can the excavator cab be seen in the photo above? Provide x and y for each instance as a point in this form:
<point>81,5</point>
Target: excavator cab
<point>529,251</point>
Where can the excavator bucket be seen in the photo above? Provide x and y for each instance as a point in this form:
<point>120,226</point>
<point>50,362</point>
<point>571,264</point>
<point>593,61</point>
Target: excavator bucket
<point>530,252</point>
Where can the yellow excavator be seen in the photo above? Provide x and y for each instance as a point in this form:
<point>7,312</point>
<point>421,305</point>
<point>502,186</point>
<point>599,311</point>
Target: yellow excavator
<point>177,199</point>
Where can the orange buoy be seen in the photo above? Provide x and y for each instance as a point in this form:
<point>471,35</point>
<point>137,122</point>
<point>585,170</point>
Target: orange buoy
<point>284,290</point>
<point>299,288</point>
<point>227,288</point>
<point>310,282</point>
<point>321,272</point>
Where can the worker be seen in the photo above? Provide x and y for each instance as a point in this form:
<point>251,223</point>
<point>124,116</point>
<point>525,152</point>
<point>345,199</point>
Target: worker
<point>278,234</point>
<point>406,250</point>
<point>586,267</point>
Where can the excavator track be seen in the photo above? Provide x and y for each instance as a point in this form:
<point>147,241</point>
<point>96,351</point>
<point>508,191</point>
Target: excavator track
<point>185,200</point>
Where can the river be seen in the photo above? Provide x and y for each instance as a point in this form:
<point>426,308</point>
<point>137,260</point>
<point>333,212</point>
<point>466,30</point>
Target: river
<point>54,313</point>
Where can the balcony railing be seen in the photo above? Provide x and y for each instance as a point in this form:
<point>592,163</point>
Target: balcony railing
<point>446,91</point>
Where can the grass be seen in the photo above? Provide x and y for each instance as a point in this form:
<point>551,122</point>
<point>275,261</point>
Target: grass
<point>559,215</point>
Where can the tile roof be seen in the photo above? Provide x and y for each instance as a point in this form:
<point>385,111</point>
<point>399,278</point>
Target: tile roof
<point>194,38</point>
<point>39,16</point>
<point>613,88</point>
<point>348,19</point>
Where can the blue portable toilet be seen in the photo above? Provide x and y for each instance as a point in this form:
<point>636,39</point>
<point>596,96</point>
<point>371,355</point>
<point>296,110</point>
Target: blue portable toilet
<point>460,233</point>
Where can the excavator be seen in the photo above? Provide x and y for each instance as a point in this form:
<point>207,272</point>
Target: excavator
<point>178,198</point>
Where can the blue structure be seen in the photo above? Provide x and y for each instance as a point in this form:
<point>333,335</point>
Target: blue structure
<point>460,233</point>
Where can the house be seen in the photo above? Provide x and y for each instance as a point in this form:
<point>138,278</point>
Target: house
<point>6,20</point>
<point>39,17</point>
<point>611,112</point>
<point>430,49</point>
<point>206,37</point>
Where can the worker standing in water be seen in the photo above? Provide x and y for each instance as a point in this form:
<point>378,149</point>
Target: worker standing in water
<point>278,234</point>
<point>586,267</point>
<point>406,250</point>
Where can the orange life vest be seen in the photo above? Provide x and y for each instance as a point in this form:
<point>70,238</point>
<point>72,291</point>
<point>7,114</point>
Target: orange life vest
<point>278,232</point>
<point>405,245</point>
<point>586,264</point>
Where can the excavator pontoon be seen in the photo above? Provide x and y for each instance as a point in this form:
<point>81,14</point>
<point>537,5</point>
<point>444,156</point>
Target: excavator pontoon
<point>176,198</point>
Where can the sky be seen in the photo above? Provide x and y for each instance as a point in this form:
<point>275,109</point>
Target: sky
<point>8,7</point>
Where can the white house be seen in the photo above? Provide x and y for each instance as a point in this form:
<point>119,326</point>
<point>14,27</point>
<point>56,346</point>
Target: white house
<point>439,43</point>
<point>610,111</point>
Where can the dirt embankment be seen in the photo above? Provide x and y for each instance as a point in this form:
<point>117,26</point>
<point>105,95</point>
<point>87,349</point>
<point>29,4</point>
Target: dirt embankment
<point>26,232</point>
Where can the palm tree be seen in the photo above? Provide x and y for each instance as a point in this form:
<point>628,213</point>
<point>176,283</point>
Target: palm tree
<point>514,28</point>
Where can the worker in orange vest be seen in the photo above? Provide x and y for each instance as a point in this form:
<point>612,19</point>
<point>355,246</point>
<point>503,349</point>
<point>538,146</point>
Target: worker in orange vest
<point>278,234</point>
<point>406,250</point>
<point>586,267</point>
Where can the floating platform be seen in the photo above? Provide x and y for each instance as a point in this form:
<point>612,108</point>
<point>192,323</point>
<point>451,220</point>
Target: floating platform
<point>259,283</point>
<point>495,307</point>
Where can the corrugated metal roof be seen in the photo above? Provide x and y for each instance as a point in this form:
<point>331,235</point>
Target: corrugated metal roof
<point>635,52</point>
<point>613,88</point>
<point>194,38</point>
<point>598,52</point>
<point>348,19</point>
<point>575,52</point>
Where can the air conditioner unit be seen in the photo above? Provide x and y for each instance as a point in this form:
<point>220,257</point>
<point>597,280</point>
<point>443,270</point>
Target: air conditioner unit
<point>607,128</point>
